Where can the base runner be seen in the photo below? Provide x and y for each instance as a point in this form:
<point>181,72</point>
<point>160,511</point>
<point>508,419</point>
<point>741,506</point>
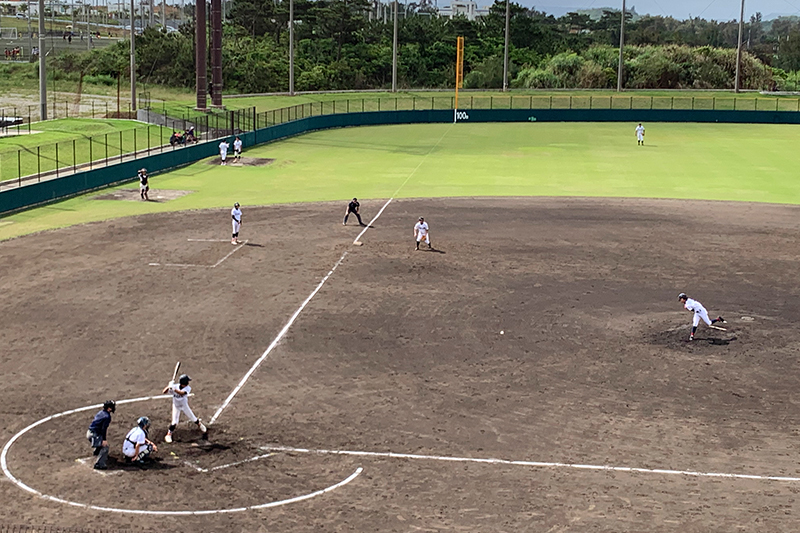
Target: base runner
<point>180,404</point>
<point>699,311</point>
<point>236,221</point>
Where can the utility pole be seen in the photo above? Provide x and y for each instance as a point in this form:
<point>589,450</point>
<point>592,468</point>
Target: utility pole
<point>133,59</point>
<point>505,57</point>
<point>88,6</point>
<point>394,51</point>
<point>42,70</point>
<point>164,14</point>
<point>201,74</point>
<point>621,46</point>
<point>738,81</point>
<point>291,47</point>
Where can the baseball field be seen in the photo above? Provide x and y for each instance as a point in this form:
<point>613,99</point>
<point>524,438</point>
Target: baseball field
<point>530,372</point>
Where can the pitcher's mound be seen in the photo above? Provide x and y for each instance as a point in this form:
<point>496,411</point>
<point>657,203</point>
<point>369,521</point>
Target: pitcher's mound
<point>244,162</point>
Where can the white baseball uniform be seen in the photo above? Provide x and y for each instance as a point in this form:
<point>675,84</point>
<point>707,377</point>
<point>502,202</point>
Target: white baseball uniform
<point>180,403</point>
<point>699,312</point>
<point>237,147</point>
<point>421,229</point>
<point>134,437</point>
<point>236,220</point>
<point>639,132</point>
<point>223,150</point>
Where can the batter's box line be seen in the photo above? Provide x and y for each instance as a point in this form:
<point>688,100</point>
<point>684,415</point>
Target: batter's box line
<point>222,467</point>
<point>539,464</point>
<point>215,265</point>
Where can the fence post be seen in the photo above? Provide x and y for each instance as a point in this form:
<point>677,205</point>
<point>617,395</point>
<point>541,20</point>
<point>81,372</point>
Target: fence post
<point>395,103</point>
<point>610,102</point>
<point>432,105</point>
<point>74,159</point>
<point>334,108</point>
<point>92,108</point>
<point>511,102</point>
<point>379,103</point>
<point>756,104</point>
<point>348,105</point>
<point>530,102</point>
<point>570,101</point>
<point>56,159</point>
<point>161,137</point>
<point>38,165</point>
<point>630,106</point>
<point>734,103</point>
<point>692,103</point>
<point>776,104</point>
<point>551,101</point>
<point>148,139</point>
<point>66,108</point>
<point>671,103</point>
<point>713,103</point>
<point>135,144</point>
<point>491,102</point>
<point>120,146</point>
<point>590,101</point>
<point>19,168</point>
<point>413,103</point>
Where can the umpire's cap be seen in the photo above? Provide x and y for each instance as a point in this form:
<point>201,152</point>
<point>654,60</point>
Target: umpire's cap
<point>110,404</point>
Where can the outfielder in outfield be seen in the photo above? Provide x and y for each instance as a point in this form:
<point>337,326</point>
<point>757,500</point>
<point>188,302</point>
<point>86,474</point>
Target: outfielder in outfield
<point>640,134</point>
<point>699,311</point>
<point>180,404</point>
<point>421,231</point>
<point>137,446</point>
<point>236,220</point>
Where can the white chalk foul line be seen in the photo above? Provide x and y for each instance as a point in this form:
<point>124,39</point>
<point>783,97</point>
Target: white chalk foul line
<point>215,265</point>
<point>533,464</point>
<point>56,499</point>
<point>237,463</point>
<point>275,341</point>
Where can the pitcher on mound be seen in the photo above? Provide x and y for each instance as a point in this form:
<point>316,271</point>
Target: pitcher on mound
<point>180,404</point>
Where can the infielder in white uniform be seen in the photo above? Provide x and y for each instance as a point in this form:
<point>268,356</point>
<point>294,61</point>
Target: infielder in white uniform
<point>136,445</point>
<point>640,134</point>
<point>180,404</point>
<point>421,231</point>
<point>236,220</point>
<point>223,152</point>
<point>237,149</point>
<point>699,311</point>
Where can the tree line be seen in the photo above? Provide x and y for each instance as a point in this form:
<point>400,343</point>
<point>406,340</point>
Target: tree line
<point>344,44</point>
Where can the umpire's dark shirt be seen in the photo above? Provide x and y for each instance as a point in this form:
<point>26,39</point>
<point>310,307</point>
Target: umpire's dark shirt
<point>99,425</point>
<point>353,206</point>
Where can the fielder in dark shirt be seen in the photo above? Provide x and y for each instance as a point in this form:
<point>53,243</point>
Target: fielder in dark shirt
<point>353,207</point>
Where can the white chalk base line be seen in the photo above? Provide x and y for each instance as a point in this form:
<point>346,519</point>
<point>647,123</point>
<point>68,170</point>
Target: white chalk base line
<point>215,265</point>
<point>539,464</point>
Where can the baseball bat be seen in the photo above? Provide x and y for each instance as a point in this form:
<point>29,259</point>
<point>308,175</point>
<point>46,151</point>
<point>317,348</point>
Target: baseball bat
<point>175,373</point>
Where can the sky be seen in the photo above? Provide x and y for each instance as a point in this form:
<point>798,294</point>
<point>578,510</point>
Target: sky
<point>681,9</point>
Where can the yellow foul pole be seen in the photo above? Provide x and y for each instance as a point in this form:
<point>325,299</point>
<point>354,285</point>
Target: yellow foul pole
<point>459,72</point>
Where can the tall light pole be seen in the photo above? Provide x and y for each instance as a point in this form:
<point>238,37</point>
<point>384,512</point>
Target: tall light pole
<point>505,57</point>
<point>739,51</point>
<point>394,51</point>
<point>42,70</point>
<point>291,47</point>
<point>621,46</point>
<point>133,58</point>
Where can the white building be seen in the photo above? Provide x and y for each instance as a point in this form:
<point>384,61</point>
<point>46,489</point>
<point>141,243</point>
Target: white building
<point>467,8</point>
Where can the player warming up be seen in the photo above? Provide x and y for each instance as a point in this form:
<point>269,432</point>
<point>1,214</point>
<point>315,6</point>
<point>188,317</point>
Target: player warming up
<point>98,434</point>
<point>421,232</point>
<point>137,446</point>
<point>640,134</point>
<point>237,149</point>
<point>180,404</point>
<point>353,207</point>
<point>699,313</point>
<point>223,152</point>
<point>236,220</point>
<point>143,184</point>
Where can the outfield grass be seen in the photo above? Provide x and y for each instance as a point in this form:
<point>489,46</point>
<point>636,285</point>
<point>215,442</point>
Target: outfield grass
<point>19,155</point>
<point>741,162</point>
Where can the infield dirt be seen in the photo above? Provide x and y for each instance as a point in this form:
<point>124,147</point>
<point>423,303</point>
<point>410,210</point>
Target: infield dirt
<point>401,351</point>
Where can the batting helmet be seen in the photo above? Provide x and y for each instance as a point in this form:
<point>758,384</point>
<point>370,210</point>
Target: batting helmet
<point>236,204</point>
<point>184,379</point>
<point>110,404</point>
<point>682,296</point>
<point>143,422</point>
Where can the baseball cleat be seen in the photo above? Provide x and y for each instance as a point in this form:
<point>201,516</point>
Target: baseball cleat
<point>691,337</point>
<point>202,426</point>
<point>168,438</point>
<point>720,319</point>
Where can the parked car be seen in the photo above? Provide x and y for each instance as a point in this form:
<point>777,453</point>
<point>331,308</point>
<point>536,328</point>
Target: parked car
<point>22,16</point>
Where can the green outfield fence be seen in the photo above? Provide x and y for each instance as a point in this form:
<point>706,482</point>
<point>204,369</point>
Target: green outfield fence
<point>100,161</point>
